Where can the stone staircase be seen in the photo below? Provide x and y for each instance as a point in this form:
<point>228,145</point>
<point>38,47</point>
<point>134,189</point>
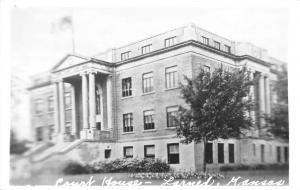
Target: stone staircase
<point>59,148</point>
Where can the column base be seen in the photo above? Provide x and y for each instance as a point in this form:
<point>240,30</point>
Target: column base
<point>92,134</point>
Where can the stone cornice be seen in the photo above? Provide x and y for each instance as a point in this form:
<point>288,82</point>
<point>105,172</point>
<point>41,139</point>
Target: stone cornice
<point>196,44</point>
<point>39,85</point>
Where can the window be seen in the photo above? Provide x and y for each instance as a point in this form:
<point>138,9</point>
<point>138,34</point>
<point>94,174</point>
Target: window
<point>205,40</point>
<point>217,45</point>
<point>171,77</point>
<point>107,153</point>
<point>206,69</point>
<point>38,106</point>
<point>51,132</point>
<point>286,154</point>
<point>227,49</point>
<point>262,153</point>
<point>128,152</point>
<point>271,151</point>
<point>126,87</point>
<point>171,116</point>
<point>148,85</point>
<point>209,153</point>
<point>231,153</point>
<point>221,153</point>
<point>170,41</point>
<point>149,120</point>
<point>254,150</point>
<point>278,154</point>
<point>173,153</point>
<point>127,122</point>
<point>98,126</point>
<point>39,133</point>
<point>146,49</point>
<point>149,151</point>
<point>50,103</point>
<point>125,55</point>
<point>68,101</point>
<point>68,127</point>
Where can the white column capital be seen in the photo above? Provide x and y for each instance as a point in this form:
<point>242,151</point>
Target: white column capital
<point>57,80</point>
<point>91,71</point>
<point>83,73</point>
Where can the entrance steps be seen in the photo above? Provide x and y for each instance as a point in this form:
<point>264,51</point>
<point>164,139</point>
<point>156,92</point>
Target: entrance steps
<point>57,149</point>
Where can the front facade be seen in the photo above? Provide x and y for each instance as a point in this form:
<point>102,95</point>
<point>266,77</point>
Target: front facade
<point>122,103</point>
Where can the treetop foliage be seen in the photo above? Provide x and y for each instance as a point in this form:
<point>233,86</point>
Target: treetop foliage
<point>217,105</point>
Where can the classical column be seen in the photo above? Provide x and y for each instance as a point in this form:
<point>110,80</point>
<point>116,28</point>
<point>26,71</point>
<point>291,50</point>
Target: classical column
<point>267,94</point>
<point>74,127</point>
<point>261,94</point>
<point>252,96</point>
<point>56,108</point>
<point>92,100</point>
<point>109,101</point>
<point>101,107</point>
<point>85,101</point>
<point>62,106</point>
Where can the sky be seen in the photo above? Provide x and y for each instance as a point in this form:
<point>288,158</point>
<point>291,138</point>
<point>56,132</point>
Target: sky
<point>37,44</point>
<point>95,30</point>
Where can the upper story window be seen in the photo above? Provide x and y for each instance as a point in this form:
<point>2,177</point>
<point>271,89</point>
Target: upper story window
<point>68,101</point>
<point>149,120</point>
<point>171,77</point>
<point>148,85</point>
<point>227,48</point>
<point>171,116</point>
<point>127,122</point>
<point>217,45</point>
<point>205,40</point>
<point>126,87</point>
<point>128,152</point>
<point>149,151</point>
<point>125,55</point>
<point>38,106</point>
<point>170,41</point>
<point>206,69</point>
<point>146,49</point>
<point>50,103</point>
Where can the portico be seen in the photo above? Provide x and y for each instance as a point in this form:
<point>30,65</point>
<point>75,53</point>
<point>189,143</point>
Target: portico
<point>91,93</point>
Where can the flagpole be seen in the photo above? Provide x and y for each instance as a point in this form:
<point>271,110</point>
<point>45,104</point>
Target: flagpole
<point>73,34</point>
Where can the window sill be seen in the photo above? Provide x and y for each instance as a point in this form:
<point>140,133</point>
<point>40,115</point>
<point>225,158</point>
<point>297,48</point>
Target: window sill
<point>38,114</point>
<point>126,97</point>
<point>127,133</point>
<point>149,130</point>
<point>148,93</point>
<point>170,128</point>
<point>167,89</point>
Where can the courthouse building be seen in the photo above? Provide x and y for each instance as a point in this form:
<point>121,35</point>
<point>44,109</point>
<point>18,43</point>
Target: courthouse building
<point>122,102</point>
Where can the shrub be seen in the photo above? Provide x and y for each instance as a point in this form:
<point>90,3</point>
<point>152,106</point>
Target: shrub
<point>76,168</point>
<point>119,165</point>
<point>176,175</point>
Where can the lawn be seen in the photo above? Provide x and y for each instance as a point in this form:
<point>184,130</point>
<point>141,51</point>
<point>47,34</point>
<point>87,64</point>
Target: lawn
<point>124,179</point>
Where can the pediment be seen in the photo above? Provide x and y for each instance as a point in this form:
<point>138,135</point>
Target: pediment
<point>69,61</point>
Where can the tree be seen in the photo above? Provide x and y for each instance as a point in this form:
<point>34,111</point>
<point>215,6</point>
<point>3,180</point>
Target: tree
<point>278,122</point>
<point>16,147</point>
<point>217,107</point>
